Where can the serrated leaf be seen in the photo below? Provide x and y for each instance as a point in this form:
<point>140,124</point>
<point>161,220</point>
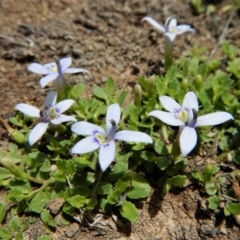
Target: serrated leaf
<point>38,202</point>
<point>47,218</point>
<point>177,181</point>
<point>114,196</point>
<point>213,202</point>
<point>77,201</point>
<point>234,208</point>
<point>129,211</point>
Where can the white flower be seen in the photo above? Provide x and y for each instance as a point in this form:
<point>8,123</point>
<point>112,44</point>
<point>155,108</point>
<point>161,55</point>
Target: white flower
<point>53,71</point>
<point>99,138</point>
<point>186,118</point>
<point>170,29</point>
<point>52,113</point>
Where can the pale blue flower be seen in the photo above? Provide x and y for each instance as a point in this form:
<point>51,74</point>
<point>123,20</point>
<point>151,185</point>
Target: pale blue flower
<point>170,29</point>
<point>186,118</point>
<point>52,113</point>
<point>104,139</point>
<point>53,71</point>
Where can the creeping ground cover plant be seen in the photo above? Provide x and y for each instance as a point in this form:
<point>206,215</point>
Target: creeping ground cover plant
<point>105,154</point>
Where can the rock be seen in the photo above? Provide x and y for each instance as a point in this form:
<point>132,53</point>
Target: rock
<point>71,230</point>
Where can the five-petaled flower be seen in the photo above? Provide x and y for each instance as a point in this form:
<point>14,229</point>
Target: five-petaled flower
<point>186,118</point>
<point>52,113</point>
<point>54,71</point>
<point>99,138</point>
<point>170,29</point>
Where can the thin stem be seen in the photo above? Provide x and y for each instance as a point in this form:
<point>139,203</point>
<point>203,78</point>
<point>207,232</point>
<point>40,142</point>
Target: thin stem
<point>168,52</point>
<point>94,195</point>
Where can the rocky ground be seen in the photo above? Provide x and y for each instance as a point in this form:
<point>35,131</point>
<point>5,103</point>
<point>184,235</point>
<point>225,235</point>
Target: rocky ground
<point>108,39</point>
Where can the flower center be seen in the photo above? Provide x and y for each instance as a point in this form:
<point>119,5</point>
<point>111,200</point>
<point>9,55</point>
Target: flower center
<point>53,68</point>
<point>173,30</point>
<point>182,114</point>
<point>101,140</point>
<point>48,114</point>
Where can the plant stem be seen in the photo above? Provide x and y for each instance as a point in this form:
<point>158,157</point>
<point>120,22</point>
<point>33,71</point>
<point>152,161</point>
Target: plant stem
<point>94,195</point>
<point>168,52</point>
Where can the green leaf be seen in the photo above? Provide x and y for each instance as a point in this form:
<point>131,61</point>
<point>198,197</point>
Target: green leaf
<point>19,236</point>
<point>163,162</point>
<point>114,196</point>
<point>234,208</point>
<point>110,87</point>
<point>121,98</point>
<point>13,224</point>
<point>2,211</point>
<point>76,91</point>
<point>44,237</point>
<point>129,211</point>
<point>140,187</point>
<point>4,234</point>
<point>104,188</point>
<point>4,173</point>
<point>38,202</point>
<point>100,93</point>
<point>66,166</point>
<point>77,201</point>
<point>160,147</point>
<point>213,202</point>
<point>46,167</point>
<point>197,175</point>
<point>47,218</point>
<point>211,188</point>
<point>177,181</point>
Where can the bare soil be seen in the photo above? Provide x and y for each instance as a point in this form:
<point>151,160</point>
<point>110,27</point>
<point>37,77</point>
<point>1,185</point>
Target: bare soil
<point>108,39</point>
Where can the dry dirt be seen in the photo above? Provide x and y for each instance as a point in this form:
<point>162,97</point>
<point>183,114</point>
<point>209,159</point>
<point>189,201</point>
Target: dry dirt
<point>107,38</point>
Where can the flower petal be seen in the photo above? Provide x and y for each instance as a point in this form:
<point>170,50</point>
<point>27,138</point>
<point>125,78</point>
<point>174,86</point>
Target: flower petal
<point>166,117</point>
<point>50,99</point>
<point>113,113</point>
<point>65,63</point>
<point>47,79</point>
<point>64,105</point>
<point>190,101</point>
<point>188,140</point>
<point>212,119</point>
<point>86,145</point>
<point>28,110</point>
<point>107,155</point>
<point>63,118</point>
<point>172,23</point>
<point>85,128</point>
<point>133,136</point>
<point>169,104</point>
<point>37,132</point>
<point>155,24</point>
<point>76,70</point>
<point>184,28</point>
<point>38,69</point>
<point>171,36</point>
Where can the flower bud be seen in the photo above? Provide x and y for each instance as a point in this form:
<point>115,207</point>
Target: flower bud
<point>151,85</point>
<point>17,136</point>
<point>198,81</point>
<point>137,95</point>
<point>184,84</point>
